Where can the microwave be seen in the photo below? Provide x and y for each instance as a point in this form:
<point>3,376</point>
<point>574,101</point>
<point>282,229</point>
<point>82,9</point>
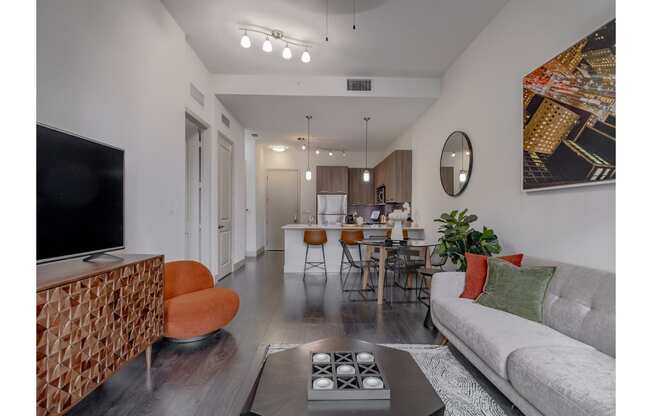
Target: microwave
<point>380,194</point>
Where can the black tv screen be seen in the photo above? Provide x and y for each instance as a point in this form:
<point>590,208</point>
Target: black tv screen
<point>79,196</point>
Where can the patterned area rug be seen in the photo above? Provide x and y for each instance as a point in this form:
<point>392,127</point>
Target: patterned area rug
<point>458,389</point>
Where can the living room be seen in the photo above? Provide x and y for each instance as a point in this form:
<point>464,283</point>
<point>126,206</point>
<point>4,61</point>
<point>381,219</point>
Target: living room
<point>327,207</point>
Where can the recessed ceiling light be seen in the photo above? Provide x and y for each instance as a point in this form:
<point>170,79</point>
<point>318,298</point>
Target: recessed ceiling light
<point>278,148</point>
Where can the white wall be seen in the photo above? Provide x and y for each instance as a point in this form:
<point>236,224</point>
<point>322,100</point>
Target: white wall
<point>119,71</point>
<point>481,95</point>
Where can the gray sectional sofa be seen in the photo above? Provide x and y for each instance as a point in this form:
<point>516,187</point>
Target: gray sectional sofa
<point>563,367</point>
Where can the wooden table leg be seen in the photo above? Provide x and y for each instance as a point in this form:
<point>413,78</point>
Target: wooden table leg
<point>365,269</point>
<point>381,274</point>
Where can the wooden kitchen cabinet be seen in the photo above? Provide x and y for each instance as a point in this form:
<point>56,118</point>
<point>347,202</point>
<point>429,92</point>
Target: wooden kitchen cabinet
<point>332,179</point>
<point>395,173</point>
<point>360,192</point>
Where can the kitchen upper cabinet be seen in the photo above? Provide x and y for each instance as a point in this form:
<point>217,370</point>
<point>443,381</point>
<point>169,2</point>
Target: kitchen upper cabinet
<point>395,173</point>
<point>332,179</point>
<point>360,192</point>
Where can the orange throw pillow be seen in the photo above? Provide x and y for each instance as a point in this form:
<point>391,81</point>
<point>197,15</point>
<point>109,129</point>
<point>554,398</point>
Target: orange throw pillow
<point>476,272</point>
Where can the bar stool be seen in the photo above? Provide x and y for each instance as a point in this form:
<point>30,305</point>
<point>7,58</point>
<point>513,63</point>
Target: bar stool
<point>315,238</point>
<point>350,238</point>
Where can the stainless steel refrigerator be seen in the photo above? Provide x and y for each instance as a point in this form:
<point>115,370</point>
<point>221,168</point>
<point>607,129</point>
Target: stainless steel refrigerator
<point>331,209</point>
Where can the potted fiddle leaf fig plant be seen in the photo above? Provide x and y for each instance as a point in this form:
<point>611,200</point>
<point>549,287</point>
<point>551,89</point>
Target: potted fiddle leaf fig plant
<point>458,237</point>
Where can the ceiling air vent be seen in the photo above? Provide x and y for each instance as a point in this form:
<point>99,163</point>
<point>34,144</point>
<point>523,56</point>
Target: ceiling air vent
<point>197,95</point>
<point>226,121</point>
<point>358,85</point>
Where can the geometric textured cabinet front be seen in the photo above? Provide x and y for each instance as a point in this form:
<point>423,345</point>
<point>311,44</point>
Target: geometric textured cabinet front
<point>87,329</point>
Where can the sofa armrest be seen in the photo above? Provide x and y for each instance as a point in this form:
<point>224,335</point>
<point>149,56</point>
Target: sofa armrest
<point>447,285</point>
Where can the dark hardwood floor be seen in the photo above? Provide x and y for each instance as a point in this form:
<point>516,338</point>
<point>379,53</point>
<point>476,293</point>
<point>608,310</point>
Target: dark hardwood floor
<point>214,376</point>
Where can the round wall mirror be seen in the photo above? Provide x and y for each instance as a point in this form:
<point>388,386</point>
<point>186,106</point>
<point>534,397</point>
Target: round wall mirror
<point>456,163</point>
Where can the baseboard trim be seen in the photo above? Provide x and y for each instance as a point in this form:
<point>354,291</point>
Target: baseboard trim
<point>257,253</point>
<point>238,265</point>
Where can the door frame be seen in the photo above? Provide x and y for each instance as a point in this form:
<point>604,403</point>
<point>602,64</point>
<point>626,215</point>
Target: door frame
<point>215,253</point>
<point>205,208</point>
<point>267,171</point>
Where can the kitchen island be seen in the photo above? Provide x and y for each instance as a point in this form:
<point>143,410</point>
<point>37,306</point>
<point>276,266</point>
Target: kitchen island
<point>295,249</point>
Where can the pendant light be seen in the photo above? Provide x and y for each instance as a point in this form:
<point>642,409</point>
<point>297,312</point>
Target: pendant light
<point>308,172</point>
<point>366,176</point>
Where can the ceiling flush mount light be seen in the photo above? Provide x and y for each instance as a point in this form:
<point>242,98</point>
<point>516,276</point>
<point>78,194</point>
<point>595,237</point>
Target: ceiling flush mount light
<point>267,45</point>
<point>270,35</point>
<point>245,42</point>
<point>308,172</point>
<point>278,148</point>
<point>287,52</point>
<point>366,175</point>
<point>305,56</point>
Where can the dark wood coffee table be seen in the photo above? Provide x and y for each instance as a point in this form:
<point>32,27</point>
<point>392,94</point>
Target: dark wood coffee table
<point>281,387</point>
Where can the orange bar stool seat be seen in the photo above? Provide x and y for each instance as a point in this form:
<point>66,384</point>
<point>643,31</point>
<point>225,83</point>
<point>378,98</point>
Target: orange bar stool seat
<point>315,238</point>
<point>194,308</point>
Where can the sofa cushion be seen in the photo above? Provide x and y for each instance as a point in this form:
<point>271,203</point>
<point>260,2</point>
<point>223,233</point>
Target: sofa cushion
<point>476,272</point>
<point>562,381</point>
<point>493,334</point>
<point>581,303</point>
<point>517,290</point>
<point>199,313</point>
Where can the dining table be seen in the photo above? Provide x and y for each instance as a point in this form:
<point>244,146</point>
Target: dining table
<point>384,248</point>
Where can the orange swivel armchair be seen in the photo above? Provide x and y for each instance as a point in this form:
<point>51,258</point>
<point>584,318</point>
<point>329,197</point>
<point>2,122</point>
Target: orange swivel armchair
<point>193,307</point>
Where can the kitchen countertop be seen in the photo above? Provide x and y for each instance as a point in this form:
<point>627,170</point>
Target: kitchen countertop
<point>344,226</point>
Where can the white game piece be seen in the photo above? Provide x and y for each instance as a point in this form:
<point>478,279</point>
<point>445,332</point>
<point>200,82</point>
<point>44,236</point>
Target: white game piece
<point>321,358</point>
<point>345,369</point>
<point>372,383</point>
<point>322,384</point>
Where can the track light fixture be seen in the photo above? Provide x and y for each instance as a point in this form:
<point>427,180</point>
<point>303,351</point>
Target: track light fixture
<point>268,47</point>
<point>245,42</point>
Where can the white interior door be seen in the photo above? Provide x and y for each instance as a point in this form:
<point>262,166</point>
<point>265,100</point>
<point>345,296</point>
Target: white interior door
<point>282,205</point>
<point>193,191</point>
<point>225,211</point>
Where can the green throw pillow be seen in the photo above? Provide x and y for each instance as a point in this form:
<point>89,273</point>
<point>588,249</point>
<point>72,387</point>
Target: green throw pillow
<point>517,290</point>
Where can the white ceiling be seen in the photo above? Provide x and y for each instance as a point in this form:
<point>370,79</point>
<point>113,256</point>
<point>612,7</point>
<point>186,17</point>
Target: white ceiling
<point>337,121</point>
<point>403,38</point>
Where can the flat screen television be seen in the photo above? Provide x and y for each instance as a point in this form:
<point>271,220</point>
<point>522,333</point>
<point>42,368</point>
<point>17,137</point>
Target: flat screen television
<point>79,196</point>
